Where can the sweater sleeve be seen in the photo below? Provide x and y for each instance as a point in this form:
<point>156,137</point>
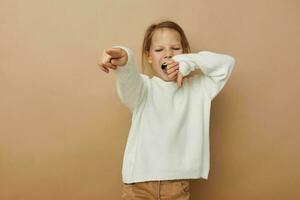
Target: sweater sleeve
<point>216,68</point>
<point>131,87</point>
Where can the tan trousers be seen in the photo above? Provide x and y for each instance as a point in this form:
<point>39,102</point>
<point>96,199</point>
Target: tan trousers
<point>157,190</point>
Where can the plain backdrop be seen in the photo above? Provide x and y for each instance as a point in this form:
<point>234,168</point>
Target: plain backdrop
<point>63,128</point>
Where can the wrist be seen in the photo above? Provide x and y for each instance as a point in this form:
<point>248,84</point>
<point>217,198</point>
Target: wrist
<point>184,68</point>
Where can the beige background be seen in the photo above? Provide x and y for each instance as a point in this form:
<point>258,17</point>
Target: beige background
<point>63,128</point>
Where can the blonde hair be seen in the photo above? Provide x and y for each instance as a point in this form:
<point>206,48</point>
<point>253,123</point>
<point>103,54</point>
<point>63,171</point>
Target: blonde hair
<point>148,40</point>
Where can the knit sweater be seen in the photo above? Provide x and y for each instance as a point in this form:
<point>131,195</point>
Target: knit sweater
<point>169,134</point>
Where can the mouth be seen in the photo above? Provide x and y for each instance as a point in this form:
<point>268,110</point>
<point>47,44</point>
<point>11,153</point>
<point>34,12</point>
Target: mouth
<point>164,67</point>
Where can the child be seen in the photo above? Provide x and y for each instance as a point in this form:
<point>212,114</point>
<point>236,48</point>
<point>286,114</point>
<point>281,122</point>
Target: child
<point>168,142</point>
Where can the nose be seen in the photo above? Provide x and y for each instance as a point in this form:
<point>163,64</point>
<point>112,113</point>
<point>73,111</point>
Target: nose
<point>169,54</point>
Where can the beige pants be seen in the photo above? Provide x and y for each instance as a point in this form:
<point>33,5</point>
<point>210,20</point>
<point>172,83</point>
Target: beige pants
<point>157,190</point>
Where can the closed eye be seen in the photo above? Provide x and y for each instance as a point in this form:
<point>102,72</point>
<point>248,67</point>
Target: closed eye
<point>158,50</point>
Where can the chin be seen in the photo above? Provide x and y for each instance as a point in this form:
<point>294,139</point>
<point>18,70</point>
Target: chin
<point>161,74</point>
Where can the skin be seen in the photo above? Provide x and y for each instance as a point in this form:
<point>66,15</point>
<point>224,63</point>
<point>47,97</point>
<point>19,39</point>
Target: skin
<point>164,45</point>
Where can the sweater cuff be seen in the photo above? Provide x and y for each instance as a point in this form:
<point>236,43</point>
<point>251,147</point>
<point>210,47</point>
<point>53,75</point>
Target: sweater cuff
<point>184,68</point>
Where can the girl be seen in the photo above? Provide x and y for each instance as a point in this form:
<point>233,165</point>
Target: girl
<point>168,142</point>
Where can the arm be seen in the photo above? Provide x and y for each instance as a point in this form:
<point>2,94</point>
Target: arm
<point>130,86</point>
<point>216,68</point>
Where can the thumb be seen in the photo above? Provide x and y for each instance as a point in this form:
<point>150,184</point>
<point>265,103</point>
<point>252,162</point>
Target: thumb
<point>179,79</point>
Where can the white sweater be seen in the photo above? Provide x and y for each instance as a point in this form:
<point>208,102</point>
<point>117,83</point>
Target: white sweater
<point>169,134</point>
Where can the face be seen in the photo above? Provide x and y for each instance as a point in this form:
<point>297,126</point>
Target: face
<point>165,44</point>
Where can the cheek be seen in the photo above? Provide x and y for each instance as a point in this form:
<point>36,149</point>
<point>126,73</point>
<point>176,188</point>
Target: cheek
<point>156,62</point>
<point>179,52</point>
<point>156,58</point>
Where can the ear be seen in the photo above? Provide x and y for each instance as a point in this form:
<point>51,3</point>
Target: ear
<point>149,58</point>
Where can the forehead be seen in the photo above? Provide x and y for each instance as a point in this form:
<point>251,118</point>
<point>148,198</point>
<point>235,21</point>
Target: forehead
<point>166,36</point>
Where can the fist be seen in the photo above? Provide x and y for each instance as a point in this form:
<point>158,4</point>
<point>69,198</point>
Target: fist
<point>112,58</point>
<point>172,70</point>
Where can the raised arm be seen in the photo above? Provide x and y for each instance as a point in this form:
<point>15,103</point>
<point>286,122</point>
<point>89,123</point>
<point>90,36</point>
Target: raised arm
<point>216,68</point>
<point>130,85</point>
